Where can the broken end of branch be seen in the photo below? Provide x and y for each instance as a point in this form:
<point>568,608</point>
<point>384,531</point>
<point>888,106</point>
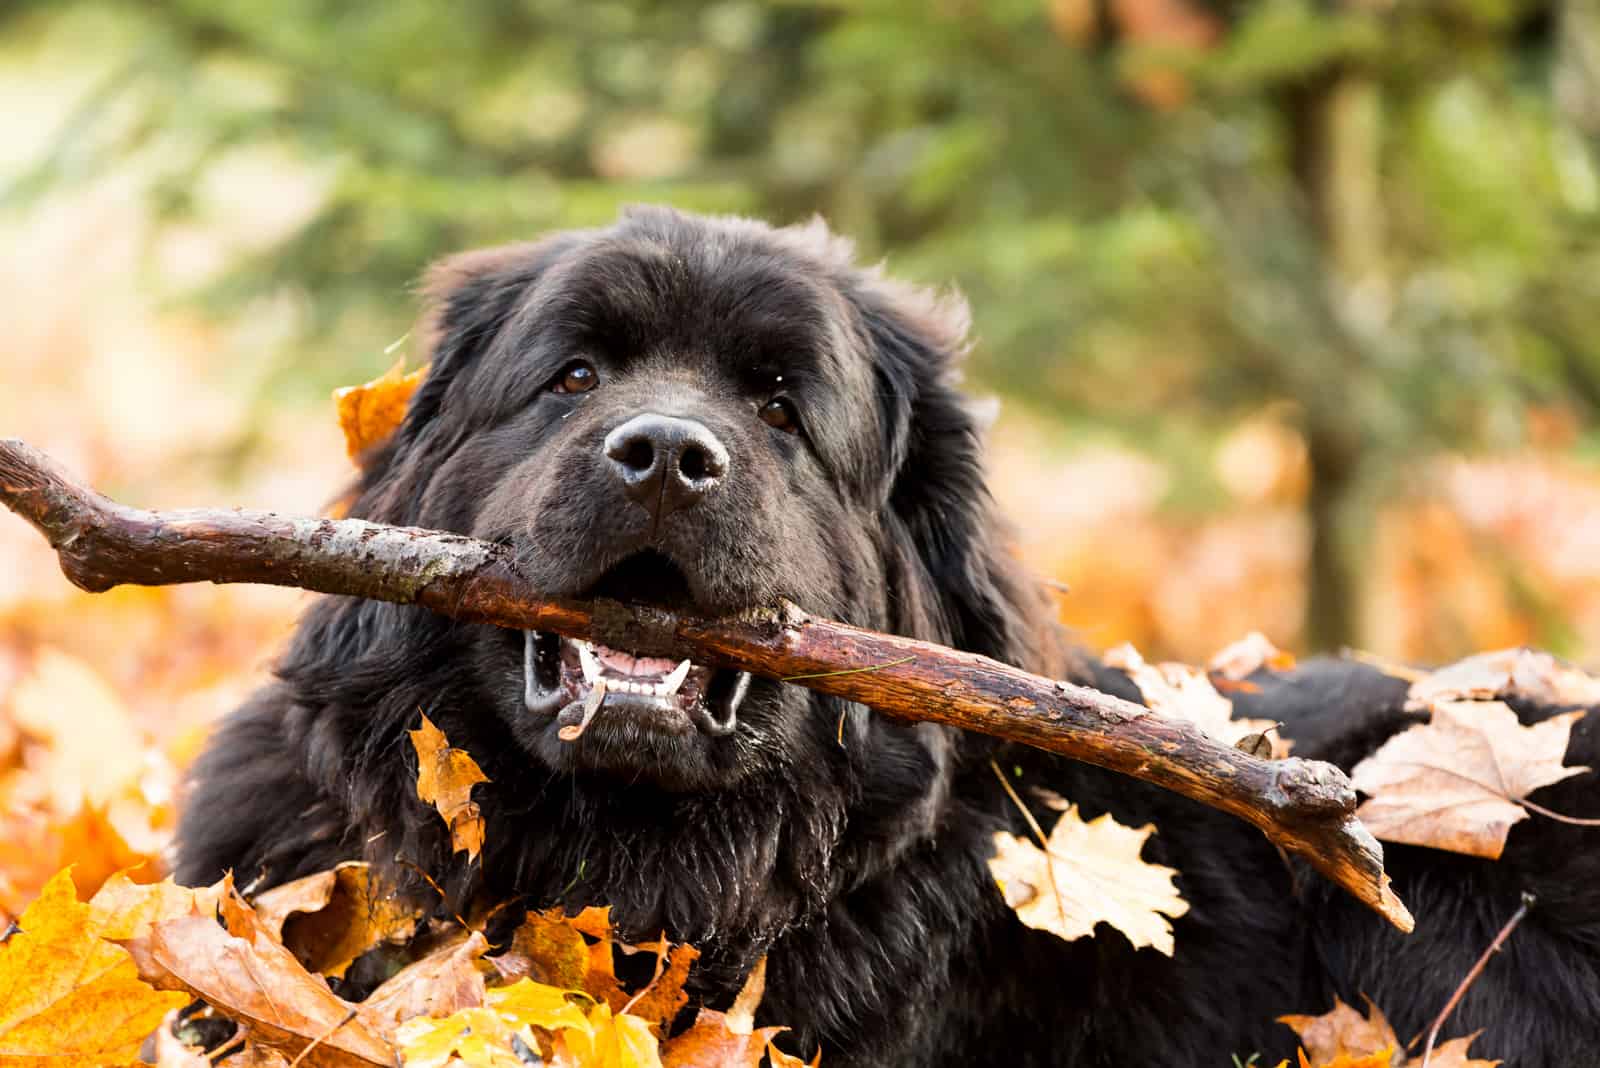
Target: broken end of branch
<point>59,506</point>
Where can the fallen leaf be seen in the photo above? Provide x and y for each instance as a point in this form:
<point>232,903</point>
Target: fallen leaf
<point>659,1002</point>
<point>445,778</point>
<point>91,748</point>
<point>613,1041</point>
<point>445,981</point>
<point>371,412</point>
<point>171,1051</point>
<point>742,1013</point>
<point>1455,782</point>
<point>713,1042</point>
<point>1249,655</point>
<point>1525,673</point>
<point>1179,691</point>
<point>1100,879</point>
<point>487,1035</point>
<point>329,919</point>
<point>476,1037</point>
<point>67,996</point>
<point>548,949</point>
<point>255,980</point>
<point>781,1059</point>
<point>1342,1031</point>
<point>1453,1054</point>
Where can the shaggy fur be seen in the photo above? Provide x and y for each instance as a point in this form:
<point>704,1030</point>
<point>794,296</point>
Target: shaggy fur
<point>858,869</point>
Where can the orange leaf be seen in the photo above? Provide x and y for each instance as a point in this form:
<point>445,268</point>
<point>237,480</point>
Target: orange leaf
<point>1454,783</point>
<point>659,1002</point>
<point>712,1043</point>
<point>445,778</point>
<point>371,412</point>
<point>445,981</point>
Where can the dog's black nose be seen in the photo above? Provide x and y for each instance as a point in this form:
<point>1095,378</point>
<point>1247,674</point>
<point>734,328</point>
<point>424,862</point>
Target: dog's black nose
<point>665,463</point>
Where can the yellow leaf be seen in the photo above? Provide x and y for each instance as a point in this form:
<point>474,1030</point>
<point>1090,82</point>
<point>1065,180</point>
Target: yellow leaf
<point>527,1003</point>
<point>614,1041</point>
<point>371,412</point>
<point>1099,878</point>
<point>67,996</point>
<point>445,778</point>
<point>477,1037</point>
<point>1455,782</point>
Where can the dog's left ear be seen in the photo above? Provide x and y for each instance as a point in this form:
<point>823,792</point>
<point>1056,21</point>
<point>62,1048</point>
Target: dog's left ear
<point>955,579</point>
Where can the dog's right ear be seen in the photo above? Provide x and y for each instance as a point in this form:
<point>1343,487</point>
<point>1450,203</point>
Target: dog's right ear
<point>467,300</point>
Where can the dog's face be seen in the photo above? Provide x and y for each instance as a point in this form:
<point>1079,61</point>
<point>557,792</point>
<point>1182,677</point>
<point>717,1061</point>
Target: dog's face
<point>706,415</point>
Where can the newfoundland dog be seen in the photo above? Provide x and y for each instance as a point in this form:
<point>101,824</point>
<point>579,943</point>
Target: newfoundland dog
<point>710,414</point>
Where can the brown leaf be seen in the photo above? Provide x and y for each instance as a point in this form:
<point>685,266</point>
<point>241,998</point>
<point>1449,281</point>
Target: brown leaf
<point>445,981</point>
<point>1453,1054</point>
<point>259,983</point>
<point>1249,655</point>
<point>370,412</point>
<point>1343,1031</point>
<point>1525,673</point>
<point>1100,879</point>
<point>172,1053</point>
<point>548,949</point>
<point>329,919</point>
<point>67,996</point>
<point>1455,782</point>
<point>1178,691</point>
<point>445,778</point>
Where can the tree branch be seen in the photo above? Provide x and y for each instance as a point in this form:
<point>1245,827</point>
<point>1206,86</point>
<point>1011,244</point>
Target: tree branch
<point>1307,807</point>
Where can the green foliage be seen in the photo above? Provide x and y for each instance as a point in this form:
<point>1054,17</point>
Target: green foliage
<point>1381,214</point>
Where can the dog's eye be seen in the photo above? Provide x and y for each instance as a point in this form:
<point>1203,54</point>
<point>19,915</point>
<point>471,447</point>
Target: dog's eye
<point>576,377</point>
<point>779,413</point>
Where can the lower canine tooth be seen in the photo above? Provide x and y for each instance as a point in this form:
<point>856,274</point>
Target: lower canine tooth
<point>591,666</point>
<point>670,684</point>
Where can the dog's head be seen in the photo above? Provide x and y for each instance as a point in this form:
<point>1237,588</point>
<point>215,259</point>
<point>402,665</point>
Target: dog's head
<point>708,415</point>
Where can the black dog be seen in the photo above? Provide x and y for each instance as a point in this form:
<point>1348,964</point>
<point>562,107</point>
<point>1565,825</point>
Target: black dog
<point>710,414</point>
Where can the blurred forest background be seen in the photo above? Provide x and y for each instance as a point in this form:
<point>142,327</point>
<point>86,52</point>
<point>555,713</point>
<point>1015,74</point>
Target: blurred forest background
<point>1292,306</point>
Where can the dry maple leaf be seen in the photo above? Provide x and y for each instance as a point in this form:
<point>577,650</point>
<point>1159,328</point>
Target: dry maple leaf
<point>1342,1031</point>
<point>1525,673</point>
<point>548,949</point>
<point>67,996</point>
<point>1099,878</point>
<point>1179,691</point>
<point>731,1039</point>
<point>246,974</point>
<point>372,411</point>
<point>488,1035</point>
<point>445,981</point>
<point>445,778</point>
<point>1249,655</point>
<point>330,918</point>
<point>1456,782</point>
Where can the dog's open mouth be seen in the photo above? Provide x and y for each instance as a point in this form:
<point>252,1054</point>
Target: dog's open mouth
<point>576,681</point>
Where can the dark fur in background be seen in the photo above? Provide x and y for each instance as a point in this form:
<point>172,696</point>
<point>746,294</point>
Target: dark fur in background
<point>857,868</point>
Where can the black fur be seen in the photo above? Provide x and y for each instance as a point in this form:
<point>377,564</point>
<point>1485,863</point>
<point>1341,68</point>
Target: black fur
<point>857,868</point>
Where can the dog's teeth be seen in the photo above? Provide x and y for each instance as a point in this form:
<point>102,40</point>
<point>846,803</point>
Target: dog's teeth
<point>591,666</point>
<point>674,679</point>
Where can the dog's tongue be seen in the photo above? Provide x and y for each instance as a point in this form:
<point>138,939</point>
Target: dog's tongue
<point>621,663</point>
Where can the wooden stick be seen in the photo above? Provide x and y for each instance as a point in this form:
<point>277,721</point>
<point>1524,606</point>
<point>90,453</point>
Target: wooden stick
<point>1306,807</point>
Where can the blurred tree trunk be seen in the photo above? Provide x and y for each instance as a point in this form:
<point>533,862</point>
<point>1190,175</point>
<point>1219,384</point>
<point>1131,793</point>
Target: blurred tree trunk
<point>1336,144</point>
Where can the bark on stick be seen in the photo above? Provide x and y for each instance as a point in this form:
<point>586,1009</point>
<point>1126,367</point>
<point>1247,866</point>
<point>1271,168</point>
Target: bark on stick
<point>1305,806</point>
